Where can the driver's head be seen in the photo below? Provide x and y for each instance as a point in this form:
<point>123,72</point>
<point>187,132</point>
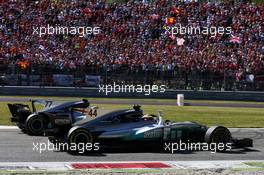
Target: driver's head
<point>147,117</point>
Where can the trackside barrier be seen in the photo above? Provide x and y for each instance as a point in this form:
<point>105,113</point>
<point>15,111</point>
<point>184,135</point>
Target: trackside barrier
<point>168,94</point>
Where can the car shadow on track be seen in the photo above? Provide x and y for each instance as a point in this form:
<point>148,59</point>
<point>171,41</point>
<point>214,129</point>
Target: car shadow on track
<point>240,151</point>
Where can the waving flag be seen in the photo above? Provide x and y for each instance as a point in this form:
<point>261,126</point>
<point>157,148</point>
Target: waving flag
<point>170,20</point>
<point>175,10</point>
<point>180,41</point>
<point>235,39</point>
<point>24,64</point>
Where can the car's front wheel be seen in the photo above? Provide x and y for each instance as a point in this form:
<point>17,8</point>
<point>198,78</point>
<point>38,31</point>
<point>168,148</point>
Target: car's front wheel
<point>78,139</point>
<point>35,125</point>
<point>220,137</point>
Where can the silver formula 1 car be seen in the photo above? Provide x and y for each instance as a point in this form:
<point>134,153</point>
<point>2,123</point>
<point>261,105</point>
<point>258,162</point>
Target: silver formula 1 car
<point>131,127</point>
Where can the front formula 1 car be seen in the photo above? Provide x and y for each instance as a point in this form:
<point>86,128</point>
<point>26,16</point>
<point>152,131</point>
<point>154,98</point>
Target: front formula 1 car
<point>129,127</point>
<point>50,117</point>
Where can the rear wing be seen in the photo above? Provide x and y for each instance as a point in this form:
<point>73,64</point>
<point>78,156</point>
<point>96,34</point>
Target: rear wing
<point>19,112</point>
<point>45,103</point>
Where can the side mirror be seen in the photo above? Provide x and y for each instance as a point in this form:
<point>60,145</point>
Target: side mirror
<point>160,118</point>
<point>160,114</point>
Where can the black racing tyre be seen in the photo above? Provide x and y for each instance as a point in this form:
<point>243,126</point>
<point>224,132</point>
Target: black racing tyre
<point>35,125</point>
<point>218,135</point>
<point>79,137</point>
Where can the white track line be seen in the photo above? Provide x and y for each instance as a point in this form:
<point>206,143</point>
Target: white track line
<point>8,127</point>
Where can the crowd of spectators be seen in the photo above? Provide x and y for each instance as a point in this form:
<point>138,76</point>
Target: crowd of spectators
<point>132,37</point>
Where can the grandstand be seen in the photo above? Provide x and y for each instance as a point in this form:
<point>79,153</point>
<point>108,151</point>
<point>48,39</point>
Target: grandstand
<point>132,46</point>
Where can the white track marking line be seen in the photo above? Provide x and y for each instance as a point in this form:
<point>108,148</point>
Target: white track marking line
<point>8,127</point>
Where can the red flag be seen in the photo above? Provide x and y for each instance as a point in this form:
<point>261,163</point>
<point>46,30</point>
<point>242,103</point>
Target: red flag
<point>87,12</point>
<point>175,10</point>
<point>170,20</point>
<point>23,64</point>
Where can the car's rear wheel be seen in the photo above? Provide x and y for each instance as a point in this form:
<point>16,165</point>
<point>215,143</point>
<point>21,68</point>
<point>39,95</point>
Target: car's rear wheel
<point>78,139</point>
<point>35,125</point>
<point>218,135</point>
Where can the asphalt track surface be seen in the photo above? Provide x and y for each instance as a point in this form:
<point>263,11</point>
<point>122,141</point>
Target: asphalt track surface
<point>18,147</point>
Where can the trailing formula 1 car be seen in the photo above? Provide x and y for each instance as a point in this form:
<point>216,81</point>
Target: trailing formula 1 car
<point>36,122</point>
<point>131,126</point>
